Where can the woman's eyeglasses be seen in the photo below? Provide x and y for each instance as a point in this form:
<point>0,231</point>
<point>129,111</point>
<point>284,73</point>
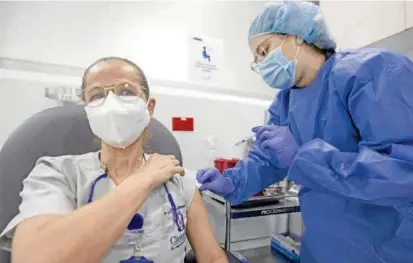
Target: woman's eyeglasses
<point>95,95</point>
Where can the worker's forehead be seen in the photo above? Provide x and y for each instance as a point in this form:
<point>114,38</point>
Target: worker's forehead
<point>256,41</point>
<point>110,72</point>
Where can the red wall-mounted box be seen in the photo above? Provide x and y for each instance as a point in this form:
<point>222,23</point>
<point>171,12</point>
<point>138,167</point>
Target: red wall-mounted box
<point>182,124</point>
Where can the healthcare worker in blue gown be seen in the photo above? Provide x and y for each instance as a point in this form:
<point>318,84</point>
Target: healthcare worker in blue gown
<point>342,128</point>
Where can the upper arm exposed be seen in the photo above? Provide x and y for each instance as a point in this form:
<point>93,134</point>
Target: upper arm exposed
<point>199,232</point>
<point>197,211</point>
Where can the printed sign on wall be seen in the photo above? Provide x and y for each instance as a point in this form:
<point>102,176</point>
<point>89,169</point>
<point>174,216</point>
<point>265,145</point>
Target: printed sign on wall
<point>206,60</point>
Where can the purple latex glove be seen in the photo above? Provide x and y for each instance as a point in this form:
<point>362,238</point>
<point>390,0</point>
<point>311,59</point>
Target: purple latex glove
<point>279,140</point>
<point>212,180</point>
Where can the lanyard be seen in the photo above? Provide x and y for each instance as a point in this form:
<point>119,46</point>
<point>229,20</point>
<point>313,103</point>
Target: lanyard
<point>177,216</point>
<point>137,220</point>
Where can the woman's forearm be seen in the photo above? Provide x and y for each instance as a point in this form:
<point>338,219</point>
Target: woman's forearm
<point>86,234</point>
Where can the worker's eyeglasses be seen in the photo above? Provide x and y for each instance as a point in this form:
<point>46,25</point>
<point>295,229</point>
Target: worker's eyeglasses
<point>254,66</point>
<point>261,53</point>
<point>95,95</point>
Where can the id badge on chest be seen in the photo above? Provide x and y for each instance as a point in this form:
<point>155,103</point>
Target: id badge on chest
<point>148,244</point>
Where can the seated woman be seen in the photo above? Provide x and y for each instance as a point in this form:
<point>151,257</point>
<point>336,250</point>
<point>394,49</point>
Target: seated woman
<point>116,204</point>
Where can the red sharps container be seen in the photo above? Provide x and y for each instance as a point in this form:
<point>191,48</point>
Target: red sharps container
<point>221,164</point>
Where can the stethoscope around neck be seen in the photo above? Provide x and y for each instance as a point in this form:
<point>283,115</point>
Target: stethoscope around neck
<point>137,221</point>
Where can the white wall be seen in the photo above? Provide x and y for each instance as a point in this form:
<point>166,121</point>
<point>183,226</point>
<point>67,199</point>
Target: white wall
<point>213,117</point>
<point>18,101</point>
<point>358,23</point>
<point>409,13</point>
<point>154,34</point>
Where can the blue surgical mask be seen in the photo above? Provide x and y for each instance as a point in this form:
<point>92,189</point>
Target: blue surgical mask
<point>277,71</point>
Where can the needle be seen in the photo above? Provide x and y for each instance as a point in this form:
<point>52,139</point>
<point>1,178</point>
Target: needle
<point>245,140</point>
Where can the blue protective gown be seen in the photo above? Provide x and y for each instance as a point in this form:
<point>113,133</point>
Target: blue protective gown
<point>354,126</point>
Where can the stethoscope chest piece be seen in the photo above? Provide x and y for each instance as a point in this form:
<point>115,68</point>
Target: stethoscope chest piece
<point>134,259</point>
<point>136,223</point>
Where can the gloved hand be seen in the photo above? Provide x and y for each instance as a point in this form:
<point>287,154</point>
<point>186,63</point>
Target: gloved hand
<point>279,140</point>
<point>212,180</point>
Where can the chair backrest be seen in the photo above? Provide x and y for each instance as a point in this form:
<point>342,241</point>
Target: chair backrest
<point>54,132</point>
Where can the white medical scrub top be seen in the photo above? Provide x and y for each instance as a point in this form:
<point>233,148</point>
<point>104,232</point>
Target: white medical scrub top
<point>60,185</point>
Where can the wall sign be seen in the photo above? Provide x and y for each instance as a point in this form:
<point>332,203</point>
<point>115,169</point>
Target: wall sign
<point>205,60</point>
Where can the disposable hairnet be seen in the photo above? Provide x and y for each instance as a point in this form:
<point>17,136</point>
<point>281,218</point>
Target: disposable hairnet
<point>302,19</point>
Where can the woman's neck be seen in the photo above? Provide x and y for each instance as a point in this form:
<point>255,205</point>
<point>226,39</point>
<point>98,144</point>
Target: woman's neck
<point>121,163</point>
<point>311,64</point>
